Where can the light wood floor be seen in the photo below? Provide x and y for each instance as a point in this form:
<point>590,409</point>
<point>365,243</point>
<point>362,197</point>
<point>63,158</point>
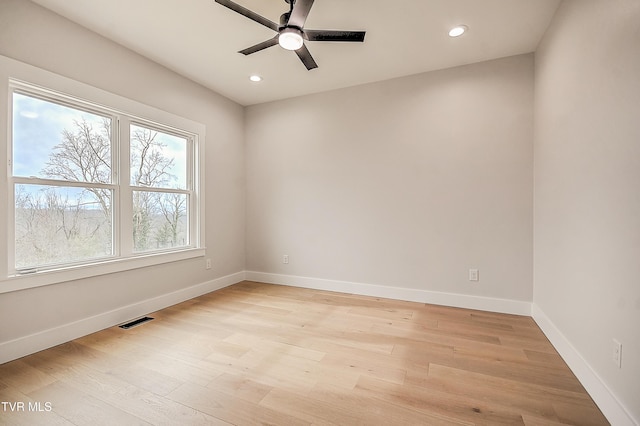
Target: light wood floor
<point>263,354</point>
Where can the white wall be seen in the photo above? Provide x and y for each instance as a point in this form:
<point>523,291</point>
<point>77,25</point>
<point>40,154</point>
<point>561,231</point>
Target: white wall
<point>406,183</point>
<point>587,187</point>
<point>31,34</point>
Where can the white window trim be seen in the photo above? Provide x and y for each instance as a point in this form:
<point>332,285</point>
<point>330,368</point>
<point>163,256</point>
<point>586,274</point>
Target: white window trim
<point>15,72</point>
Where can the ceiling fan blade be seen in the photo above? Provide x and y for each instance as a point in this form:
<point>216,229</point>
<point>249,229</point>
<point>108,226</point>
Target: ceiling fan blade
<point>330,35</point>
<point>306,58</point>
<point>299,13</point>
<point>249,14</point>
<point>260,46</point>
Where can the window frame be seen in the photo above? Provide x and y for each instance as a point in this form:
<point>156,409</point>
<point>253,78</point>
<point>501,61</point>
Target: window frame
<point>32,81</point>
<point>50,96</point>
<point>192,179</point>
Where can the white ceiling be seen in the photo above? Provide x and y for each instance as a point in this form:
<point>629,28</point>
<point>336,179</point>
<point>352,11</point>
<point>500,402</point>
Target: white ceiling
<point>200,39</point>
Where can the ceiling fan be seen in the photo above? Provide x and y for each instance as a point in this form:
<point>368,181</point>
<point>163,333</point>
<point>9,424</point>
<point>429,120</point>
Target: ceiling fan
<point>291,33</point>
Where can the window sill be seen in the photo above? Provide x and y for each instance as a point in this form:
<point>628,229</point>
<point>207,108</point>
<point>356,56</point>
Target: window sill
<point>43,278</point>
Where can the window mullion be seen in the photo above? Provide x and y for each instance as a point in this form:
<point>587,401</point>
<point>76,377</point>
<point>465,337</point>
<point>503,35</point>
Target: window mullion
<point>193,214</point>
<point>125,196</point>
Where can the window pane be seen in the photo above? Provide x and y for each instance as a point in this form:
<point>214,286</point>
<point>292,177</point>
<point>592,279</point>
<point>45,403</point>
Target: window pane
<point>158,159</point>
<point>159,220</point>
<point>58,142</point>
<point>56,225</point>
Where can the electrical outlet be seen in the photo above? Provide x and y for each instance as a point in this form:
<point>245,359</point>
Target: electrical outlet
<point>285,258</point>
<point>617,353</point>
<point>474,275</point>
<point>208,264</point>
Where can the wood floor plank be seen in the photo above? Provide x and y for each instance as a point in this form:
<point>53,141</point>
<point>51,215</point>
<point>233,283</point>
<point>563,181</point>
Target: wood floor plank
<point>35,414</point>
<point>432,401</point>
<point>308,409</point>
<point>355,340</point>
<point>81,408</point>
<point>514,396</point>
<point>517,371</point>
<point>579,414</point>
<point>335,407</point>
<point>128,397</point>
<point>523,392</point>
<point>256,353</point>
<point>185,371</point>
<point>274,347</point>
<point>24,378</point>
<point>551,359</point>
<point>240,387</point>
<point>146,379</point>
<point>365,366</point>
<point>229,408</point>
<point>536,421</point>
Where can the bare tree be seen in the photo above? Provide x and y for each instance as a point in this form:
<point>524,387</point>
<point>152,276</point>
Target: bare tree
<point>173,207</point>
<point>84,155</point>
<point>150,167</point>
<point>149,164</point>
<point>142,218</point>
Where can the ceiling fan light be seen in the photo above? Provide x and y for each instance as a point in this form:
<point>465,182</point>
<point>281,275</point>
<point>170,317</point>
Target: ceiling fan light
<point>290,39</point>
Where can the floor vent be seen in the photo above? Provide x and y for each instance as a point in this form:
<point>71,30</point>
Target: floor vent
<point>135,322</point>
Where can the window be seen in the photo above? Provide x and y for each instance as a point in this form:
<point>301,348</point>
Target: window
<point>159,179</point>
<point>93,184</point>
<point>63,183</point>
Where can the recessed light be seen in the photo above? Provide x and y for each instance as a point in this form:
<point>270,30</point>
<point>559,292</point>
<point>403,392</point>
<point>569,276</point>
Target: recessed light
<point>458,31</point>
<point>255,78</point>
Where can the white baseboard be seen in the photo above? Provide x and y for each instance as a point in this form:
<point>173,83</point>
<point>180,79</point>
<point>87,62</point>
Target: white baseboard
<point>26,345</point>
<point>610,406</point>
<point>409,294</point>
